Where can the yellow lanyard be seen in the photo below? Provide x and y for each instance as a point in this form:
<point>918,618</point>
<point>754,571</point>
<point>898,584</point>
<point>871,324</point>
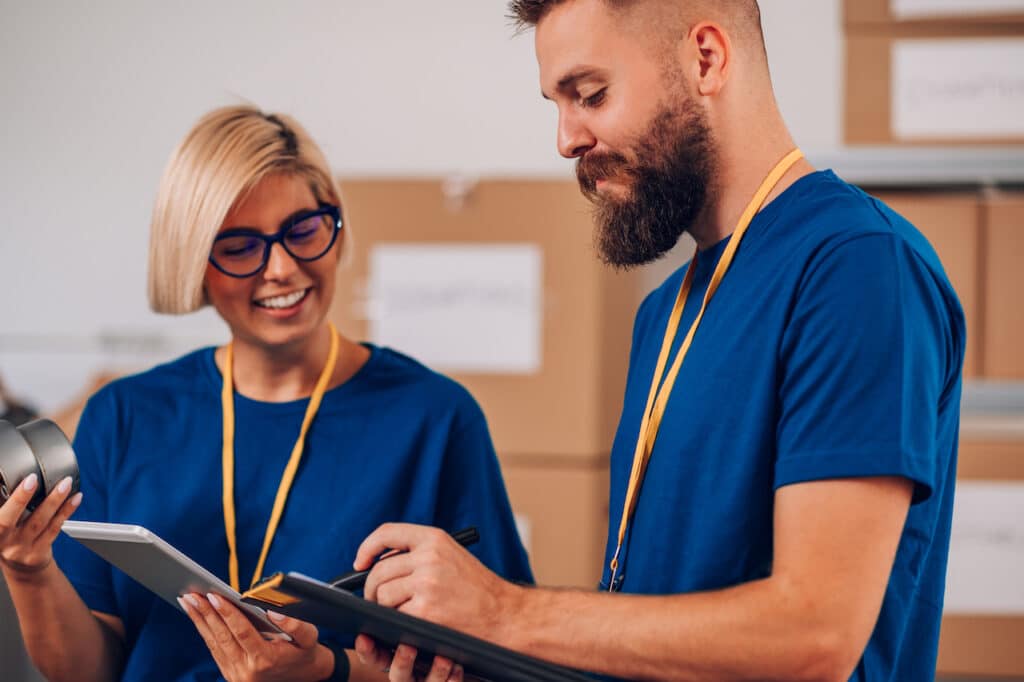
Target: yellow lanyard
<point>657,398</point>
<point>227,399</point>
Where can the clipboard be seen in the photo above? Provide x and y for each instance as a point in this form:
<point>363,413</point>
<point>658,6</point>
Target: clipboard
<point>161,568</point>
<point>317,602</point>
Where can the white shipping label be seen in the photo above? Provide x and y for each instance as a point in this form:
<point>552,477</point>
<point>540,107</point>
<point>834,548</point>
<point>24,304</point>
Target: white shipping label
<point>910,9</point>
<point>470,308</point>
<point>958,88</point>
<point>986,552</point>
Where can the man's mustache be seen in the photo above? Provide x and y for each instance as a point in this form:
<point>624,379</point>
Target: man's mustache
<point>594,166</point>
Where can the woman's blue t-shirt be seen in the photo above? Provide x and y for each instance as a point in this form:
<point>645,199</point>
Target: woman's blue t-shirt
<point>396,442</point>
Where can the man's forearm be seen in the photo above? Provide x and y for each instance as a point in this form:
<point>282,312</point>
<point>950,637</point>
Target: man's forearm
<point>760,630</point>
<point>64,638</point>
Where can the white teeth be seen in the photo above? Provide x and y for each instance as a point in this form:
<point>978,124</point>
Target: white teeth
<point>286,301</point>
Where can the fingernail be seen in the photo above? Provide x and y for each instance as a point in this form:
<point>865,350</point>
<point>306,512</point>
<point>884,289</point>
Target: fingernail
<point>76,499</point>
<point>214,599</point>
<point>181,603</point>
<point>30,482</point>
<point>275,616</point>
<point>64,485</point>
<point>192,601</point>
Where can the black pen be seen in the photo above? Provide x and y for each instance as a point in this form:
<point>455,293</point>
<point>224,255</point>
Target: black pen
<point>354,580</point>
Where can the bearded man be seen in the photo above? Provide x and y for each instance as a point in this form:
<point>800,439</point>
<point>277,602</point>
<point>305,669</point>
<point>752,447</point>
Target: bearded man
<point>782,476</point>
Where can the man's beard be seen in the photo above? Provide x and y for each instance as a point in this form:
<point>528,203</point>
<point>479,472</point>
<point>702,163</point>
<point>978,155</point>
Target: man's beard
<point>670,185</point>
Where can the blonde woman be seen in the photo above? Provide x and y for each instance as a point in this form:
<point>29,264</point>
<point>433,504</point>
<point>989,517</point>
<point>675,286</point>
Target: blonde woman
<point>280,451</point>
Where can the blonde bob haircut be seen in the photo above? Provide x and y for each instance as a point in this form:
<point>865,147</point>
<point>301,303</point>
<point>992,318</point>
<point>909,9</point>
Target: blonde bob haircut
<point>226,154</point>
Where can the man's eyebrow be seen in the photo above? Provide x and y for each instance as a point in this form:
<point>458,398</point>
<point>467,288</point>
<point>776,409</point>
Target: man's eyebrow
<point>567,82</point>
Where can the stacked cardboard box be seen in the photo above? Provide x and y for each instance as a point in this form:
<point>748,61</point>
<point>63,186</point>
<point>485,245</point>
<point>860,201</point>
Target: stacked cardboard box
<point>552,426</point>
<point>979,236</point>
<point>1003,284</point>
<point>947,75</point>
<point>952,223</point>
<point>987,640</point>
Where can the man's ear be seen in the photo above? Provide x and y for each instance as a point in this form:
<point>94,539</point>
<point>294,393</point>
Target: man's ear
<point>712,55</point>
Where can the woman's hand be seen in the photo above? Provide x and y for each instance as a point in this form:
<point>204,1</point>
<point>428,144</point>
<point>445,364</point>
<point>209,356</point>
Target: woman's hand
<point>242,653</point>
<point>26,541</point>
<point>401,666</point>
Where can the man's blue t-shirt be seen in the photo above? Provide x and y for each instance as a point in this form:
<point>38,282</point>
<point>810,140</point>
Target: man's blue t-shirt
<point>396,442</point>
<point>833,348</point>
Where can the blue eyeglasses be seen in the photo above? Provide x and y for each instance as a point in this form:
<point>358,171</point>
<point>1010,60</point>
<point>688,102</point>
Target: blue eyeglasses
<point>306,236</point>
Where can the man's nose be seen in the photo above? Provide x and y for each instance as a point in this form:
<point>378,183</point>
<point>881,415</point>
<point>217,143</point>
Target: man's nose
<point>574,138</point>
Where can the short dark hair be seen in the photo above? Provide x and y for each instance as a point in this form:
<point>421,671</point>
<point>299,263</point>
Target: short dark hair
<point>525,14</point>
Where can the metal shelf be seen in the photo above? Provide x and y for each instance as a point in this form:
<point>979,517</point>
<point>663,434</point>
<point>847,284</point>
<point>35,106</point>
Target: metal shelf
<point>926,167</point>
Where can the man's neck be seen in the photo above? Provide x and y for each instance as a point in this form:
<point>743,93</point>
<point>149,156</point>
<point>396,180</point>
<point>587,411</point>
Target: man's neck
<point>741,170</point>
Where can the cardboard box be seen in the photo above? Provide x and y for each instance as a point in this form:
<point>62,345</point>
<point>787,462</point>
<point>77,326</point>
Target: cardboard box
<point>947,84</point>
<point>561,506</point>
<point>951,222</point>
<point>879,13</point>
<point>986,643</point>
<point>571,404</point>
<point>1003,282</point>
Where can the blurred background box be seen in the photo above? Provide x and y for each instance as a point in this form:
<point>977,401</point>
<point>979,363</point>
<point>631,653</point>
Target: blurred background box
<point>983,621</point>
<point>567,403</point>
<point>883,12</point>
<point>935,84</point>
<point>979,237</point>
<point>952,223</point>
<point>561,508</point>
<point>1003,282</point>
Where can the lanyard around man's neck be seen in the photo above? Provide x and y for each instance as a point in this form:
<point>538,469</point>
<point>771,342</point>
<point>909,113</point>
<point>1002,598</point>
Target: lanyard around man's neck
<point>227,398</point>
<point>657,398</point>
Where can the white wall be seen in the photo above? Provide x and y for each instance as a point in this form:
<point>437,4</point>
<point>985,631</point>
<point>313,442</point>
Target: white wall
<point>94,95</point>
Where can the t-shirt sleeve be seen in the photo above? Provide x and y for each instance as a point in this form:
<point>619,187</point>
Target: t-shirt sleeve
<point>473,493</point>
<point>864,365</point>
<point>93,444</point>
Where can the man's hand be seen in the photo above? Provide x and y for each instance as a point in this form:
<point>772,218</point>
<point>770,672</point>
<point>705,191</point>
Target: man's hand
<point>242,653</point>
<point>434,578</point>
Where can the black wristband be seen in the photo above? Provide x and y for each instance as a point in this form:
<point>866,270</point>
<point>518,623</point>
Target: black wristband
<point>341,664</point>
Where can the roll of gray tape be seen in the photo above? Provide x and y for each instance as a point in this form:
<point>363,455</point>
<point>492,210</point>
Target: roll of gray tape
<point>16,462</point>
<point>39,447</point>
<point>53,453</point>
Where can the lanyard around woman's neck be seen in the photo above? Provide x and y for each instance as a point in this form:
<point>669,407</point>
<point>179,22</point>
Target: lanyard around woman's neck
<point>657,398</point>
<point>227,398</point>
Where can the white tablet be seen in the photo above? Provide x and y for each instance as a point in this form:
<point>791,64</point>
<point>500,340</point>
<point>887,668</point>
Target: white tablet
<point>161,568</point>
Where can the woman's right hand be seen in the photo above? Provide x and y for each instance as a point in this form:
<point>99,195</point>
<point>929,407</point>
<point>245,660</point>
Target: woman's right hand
<point>26,540</point>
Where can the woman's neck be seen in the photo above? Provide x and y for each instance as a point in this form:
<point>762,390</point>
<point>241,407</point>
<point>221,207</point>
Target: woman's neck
<point>285,373</point>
